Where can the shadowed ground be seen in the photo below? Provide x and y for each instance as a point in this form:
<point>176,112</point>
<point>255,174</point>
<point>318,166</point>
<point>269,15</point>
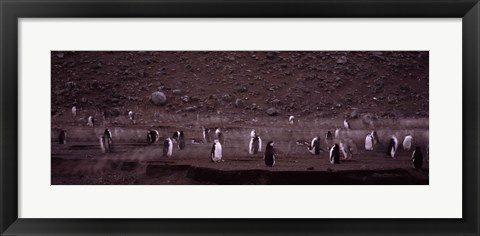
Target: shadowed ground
<point>134,162</point>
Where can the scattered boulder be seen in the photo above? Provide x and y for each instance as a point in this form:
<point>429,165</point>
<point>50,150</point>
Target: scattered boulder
<point>239,103</point>
<point>97,66</point>
<point>241,89</point>
<point>342,60</point>
<point>112,112</point>
<point>276,101</point>
<point>177,91</point>
<point>141,73</point>
<point>191,109</point>
<point>227,98</point>
<point>272,111</point>
<point>354,114</point>
<point>186,99</point>
<point>158,98</point>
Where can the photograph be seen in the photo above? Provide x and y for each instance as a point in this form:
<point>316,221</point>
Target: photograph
<point>239,117</point>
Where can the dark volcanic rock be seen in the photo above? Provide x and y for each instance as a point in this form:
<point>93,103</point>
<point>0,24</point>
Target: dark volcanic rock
<point>186,99</point>
<point>342,60</point>
<point>272,111</point>
<point>191,109</point>
<point>227,98</point>
<point>241,89</point>
<point>97,66</point>
<point>239,103</point>
<point>354,114</point>
<point>307,83</point>
<point>113,112</point>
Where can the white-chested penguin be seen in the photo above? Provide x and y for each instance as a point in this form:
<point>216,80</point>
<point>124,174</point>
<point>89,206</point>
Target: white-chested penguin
<point>152,136</point>
<point>407,142</point>
<point>291,120</point>
<point>255,144</point>
<point>347,149</point>
<point>253,133</point>
<point>130,116</point>
<point>62,137</point>
<point>270,154</point>
<point>369,142</point>
<point>417,158</point>
<point>74,111</point>
<point>167,147</point>
<point>175,136</point>
<point>106,141</point>
<point>91,121</point>
<point>335,154</point>
<point>346,123</point>
<point>314,147</point>
<point>216,152</point>
<point>337,133</point>
<point>392,146</point>
<point>329,140</point>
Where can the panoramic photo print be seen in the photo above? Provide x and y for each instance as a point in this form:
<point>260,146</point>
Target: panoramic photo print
<point>239,117</point>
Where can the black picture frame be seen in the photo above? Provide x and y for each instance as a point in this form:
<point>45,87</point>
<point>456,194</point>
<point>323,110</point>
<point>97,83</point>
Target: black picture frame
<point>11,11</point>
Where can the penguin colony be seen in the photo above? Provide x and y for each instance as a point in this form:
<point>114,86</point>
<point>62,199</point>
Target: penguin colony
<point>335,144</point>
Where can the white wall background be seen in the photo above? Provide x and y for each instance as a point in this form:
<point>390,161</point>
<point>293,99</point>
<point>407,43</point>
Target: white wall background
<point>441,199</point>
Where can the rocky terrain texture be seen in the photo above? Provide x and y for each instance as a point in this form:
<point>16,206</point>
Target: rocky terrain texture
<point>240,84</point>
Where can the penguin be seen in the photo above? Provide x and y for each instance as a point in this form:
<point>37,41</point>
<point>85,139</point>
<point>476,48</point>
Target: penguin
<point>329,140</point>
<point>216,152</point>
<point>347,150</point>
<point>407,142</point>
<point>270,154</point>
<point>107,133</point>
<point>103,143</point>
<point>152,136</point>
<point>167,147</point>
<point>392,147</point>
<point>91,121</point>
<point>255,145</point>
<point>253,133</point>
<point>181,140</point>
<point>291,120</point>
<point>417,158</point>
<point>74,111</point>
<point>337,134</point>
<point>106,141</point>
<point>206,134</point>
<point>369,142</point>
<point>335,154</point>
<point>219,135</point>
<point>375,138</point>
<point>130,116</point>
<point>62,137</point>
<point>346,123</point>
<point>175,136</point>
<point>315,148</point>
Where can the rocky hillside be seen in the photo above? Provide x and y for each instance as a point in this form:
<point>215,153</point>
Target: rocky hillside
<point>242,84</point>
